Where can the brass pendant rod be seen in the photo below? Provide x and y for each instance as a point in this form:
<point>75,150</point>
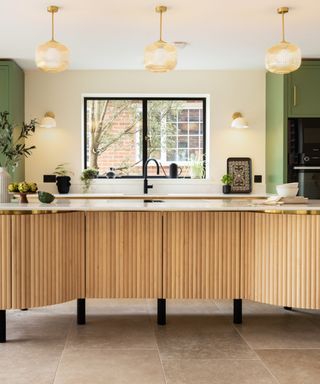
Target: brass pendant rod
<point>161,25</point>
<point>52,26</point>
<point>283,36</point>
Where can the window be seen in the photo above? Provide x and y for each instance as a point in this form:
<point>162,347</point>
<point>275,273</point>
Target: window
<point>122,133</point>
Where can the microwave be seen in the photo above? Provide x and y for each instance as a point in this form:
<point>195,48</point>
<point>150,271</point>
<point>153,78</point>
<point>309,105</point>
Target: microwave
<point>308,140</point>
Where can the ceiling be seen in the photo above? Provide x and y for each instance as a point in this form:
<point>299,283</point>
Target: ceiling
<point>111,34</point>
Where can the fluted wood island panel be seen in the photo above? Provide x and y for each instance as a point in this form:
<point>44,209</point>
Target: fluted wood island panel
<point>124,254</point>
<point>47,258</point>
<point>202,255</point>
<point>281,259</point>
<point>5,262</point>
<point>50,258</point>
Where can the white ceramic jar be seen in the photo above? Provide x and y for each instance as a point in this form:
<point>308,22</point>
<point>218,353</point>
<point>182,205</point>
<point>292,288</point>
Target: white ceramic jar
<point>5,180</point>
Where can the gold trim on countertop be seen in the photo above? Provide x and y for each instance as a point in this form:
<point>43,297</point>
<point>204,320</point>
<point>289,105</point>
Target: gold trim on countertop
<point>33,212</point>
<point>286,212</point>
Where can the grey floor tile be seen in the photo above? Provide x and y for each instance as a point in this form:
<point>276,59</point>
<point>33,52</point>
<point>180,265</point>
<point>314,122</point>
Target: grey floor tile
<point>201,337</point>
<point>249,307</point>
<point>293,366</point>
<point>32,325</point>
<point>28,362</point>
<point>200,344</point>
<point>114,331</point>
<point>216,372</point>
<point>280,331</point>
<point>100,366</point>
<point>186,307</point>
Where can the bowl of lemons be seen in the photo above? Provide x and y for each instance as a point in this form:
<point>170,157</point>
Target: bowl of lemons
<point>23,189</point>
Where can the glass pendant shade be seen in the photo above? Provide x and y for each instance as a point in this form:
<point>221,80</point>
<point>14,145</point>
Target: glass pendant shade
<point>52,57</point>
<point>160,57</point>
<point>283,58</point>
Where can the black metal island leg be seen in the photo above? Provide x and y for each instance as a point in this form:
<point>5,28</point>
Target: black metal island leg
<point>161,313</point>
<point>81,311</point>
<point>237,311</point>
<point>3,333</point>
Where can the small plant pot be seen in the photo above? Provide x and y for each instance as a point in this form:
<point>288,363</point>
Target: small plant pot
<point>63,184</point>
<point>226,189</point>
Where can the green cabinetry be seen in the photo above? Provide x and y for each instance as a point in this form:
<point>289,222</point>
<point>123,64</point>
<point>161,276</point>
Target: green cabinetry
<point>304,91</point>
<point>293,95</point>
<point>12,99</point>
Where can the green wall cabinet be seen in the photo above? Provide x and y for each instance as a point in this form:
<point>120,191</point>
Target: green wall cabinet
<point>304,91</point>
<point>12,99</point>
<point>294,95</point>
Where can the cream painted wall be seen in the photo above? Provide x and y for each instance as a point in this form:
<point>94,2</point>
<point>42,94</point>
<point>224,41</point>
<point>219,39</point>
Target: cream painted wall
<point>229,91</point>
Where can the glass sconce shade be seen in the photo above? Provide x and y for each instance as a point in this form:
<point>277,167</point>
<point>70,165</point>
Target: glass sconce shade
<point>238,121</point>
<point>160,57</point>
<point>52,56</point>
<point>48,120</point>
<point>283,58</point>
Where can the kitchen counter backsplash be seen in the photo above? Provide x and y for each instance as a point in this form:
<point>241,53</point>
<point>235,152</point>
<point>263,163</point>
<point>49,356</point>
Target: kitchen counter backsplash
<point>160,186</point>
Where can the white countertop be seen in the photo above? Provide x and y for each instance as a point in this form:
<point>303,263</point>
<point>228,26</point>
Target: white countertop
<point>160,196</point>
<point>166,205</point>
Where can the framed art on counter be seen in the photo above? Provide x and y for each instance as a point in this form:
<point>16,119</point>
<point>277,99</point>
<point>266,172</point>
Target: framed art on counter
<point>240,168</point>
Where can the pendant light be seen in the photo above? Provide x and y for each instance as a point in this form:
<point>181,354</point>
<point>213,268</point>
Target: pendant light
<point>284,57</point>
<point>160,56</point>
<point>52,56</point>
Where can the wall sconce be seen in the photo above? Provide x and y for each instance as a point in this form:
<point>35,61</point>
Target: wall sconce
<point>238,121</point>
<point>48,120</point>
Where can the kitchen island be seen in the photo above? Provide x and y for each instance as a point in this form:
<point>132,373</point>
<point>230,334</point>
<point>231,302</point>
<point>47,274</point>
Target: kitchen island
<point>182,249</point>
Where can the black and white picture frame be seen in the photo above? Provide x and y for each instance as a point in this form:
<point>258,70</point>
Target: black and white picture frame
<point>240,168</point>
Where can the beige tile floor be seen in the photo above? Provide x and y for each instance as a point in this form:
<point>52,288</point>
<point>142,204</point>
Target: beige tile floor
<point>121,344</point>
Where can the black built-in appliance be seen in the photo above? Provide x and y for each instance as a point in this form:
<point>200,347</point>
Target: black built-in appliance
<point>304,155</point>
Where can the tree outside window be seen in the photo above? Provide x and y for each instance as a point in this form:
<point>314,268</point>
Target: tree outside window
<point>119,136</point>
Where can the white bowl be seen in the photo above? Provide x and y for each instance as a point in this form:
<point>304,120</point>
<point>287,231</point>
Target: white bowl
<point>287,191</point>
<point>296,184</point>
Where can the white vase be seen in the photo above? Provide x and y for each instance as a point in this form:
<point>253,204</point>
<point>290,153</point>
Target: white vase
<point>5,180</point>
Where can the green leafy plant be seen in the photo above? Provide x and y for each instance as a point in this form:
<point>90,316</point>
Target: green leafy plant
<point>87,176</point>
<point>196,167</point>
<point>227,179</point>
<point>62,170</point>
<point>13,148</point>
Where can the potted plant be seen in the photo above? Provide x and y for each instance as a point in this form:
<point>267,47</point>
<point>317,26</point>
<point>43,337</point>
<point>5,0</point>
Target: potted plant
<point>62,173</point>
<point>196,168</point>
<point>86,177</point>
<point>226,180</point>
<point>12,149</point>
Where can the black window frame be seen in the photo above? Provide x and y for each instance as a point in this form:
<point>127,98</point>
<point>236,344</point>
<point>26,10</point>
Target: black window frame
<point>145,100</point>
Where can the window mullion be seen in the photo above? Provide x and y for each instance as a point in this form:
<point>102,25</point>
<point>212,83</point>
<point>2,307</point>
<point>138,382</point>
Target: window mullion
<point>144,132</point>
